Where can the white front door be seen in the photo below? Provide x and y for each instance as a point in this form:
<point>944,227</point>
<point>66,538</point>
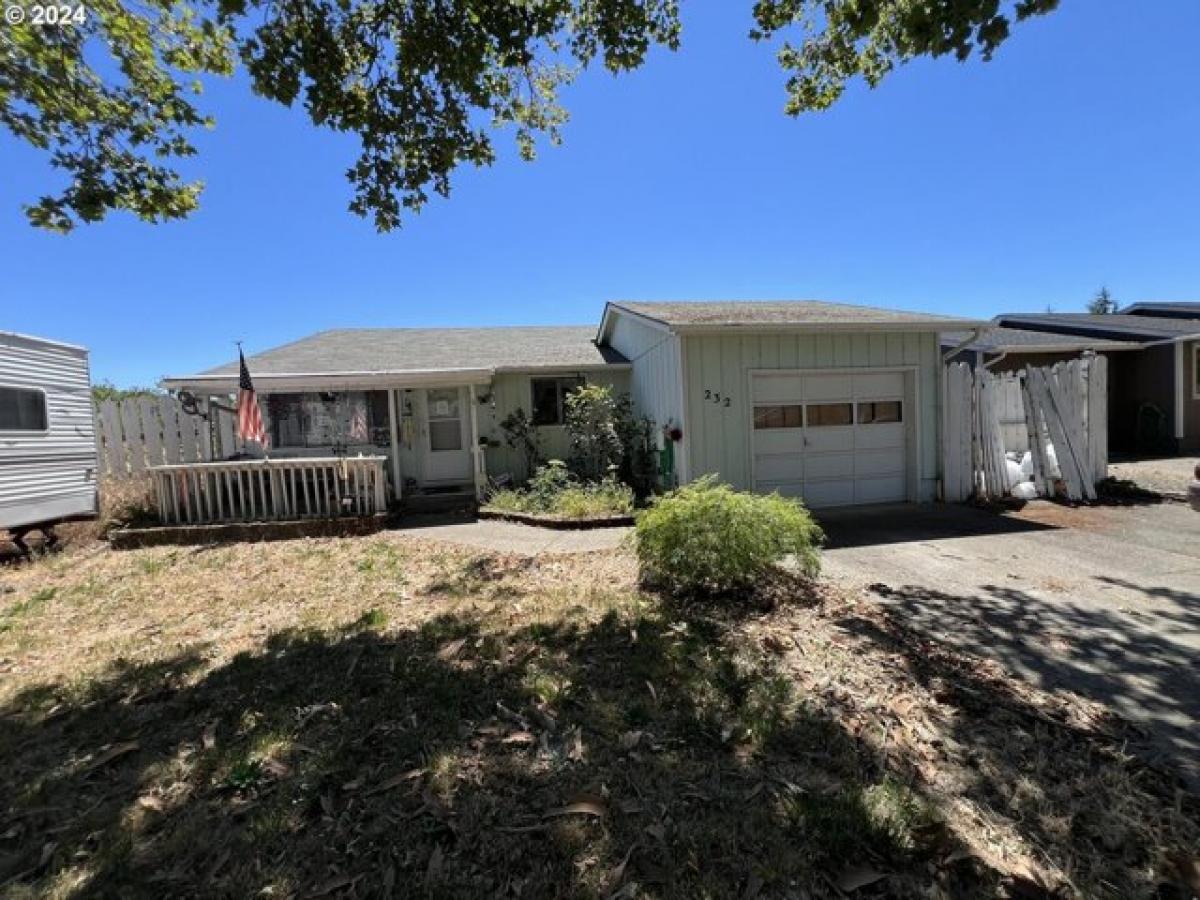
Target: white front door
<point>446,439</point>
<point>832,439</point>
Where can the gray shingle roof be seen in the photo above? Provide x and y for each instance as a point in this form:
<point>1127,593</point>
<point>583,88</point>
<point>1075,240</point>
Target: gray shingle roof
<point>782,313</point>
<point>400,350</point>
<point>1176,309</point>
<point>999,339</point>
<point>1114,325</point>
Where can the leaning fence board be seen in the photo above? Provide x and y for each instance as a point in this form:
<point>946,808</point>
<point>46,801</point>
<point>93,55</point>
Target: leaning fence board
<point>1058,436</point>
<point>1097,419</point>
<point>1061,407</point>
<point>1064,386</point>
<point>1034,439</point>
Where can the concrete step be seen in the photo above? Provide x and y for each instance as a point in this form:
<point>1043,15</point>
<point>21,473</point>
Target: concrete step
<point>437,502</point>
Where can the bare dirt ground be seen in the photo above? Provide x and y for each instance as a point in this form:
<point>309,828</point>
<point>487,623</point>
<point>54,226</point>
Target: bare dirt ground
<point>392,716</point>
<point>1167,476</point>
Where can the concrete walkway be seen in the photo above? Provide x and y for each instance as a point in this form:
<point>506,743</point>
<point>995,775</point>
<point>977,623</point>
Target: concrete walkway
<point>510,537</point>
<point>1104,601</point>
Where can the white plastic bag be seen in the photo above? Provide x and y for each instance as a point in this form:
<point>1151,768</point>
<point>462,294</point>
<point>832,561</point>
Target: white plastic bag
<point>1025,491</point>
<point>1027,464</point>
<point>1052,463</point>
<point>1013,471</point>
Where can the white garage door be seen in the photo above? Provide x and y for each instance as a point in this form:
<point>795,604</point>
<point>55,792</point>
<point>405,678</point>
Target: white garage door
<point>834,440</point>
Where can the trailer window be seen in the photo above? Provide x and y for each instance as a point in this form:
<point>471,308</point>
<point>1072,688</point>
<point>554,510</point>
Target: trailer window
<point>22,409</point>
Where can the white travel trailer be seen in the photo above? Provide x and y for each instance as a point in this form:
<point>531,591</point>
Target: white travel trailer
<point>47,435</point>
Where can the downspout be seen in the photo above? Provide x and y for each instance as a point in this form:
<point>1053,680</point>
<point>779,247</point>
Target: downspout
<point>1179,399</point>
<point>975,335</point>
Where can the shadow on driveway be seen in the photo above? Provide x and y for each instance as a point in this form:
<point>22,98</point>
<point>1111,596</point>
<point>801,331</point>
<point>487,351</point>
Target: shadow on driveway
<point>1108,606</point>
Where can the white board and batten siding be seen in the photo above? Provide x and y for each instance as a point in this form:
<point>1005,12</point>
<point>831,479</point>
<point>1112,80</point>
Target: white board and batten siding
<point>48,475</point>
<point>656,377</point>
<point>855,464</point>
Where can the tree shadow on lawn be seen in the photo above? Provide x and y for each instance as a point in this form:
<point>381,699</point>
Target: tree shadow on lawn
<point>646,754</point>
<point>1060,771</point>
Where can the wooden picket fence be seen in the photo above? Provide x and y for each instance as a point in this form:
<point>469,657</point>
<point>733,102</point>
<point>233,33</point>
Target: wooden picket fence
<point>139,432</point>
<point>1063,407</point>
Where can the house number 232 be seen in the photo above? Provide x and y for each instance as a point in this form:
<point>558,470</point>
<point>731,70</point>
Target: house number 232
<point>715,397</point>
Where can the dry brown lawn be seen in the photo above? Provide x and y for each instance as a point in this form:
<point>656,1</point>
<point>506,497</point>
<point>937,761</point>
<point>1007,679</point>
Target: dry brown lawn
<point>387,716</point>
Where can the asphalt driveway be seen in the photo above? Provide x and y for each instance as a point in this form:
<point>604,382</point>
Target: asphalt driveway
<point>1104,601</point>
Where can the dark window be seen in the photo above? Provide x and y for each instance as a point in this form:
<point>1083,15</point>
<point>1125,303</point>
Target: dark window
<point>778,416</point>
<point>879,412</point>
<point>547,395</point>
<point>821,415</point>
<point>23,409</point>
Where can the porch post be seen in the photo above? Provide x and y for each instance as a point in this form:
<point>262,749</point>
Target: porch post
<point>477,457</point>
<point>393,419</point>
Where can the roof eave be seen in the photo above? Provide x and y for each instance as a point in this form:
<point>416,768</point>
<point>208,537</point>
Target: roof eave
<point>840,327</point>
<point>602,332</point>
<point>285,381</point>
<point>1121,333</point>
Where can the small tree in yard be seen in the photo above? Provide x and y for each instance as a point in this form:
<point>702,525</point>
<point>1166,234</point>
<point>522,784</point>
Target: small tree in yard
<point>639,459</point>
<point>706,537</point>
<point>521,435</point>
<point>591,420</point>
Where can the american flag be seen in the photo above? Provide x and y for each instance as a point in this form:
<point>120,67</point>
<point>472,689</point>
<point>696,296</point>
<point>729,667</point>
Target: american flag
<point>250,423</point>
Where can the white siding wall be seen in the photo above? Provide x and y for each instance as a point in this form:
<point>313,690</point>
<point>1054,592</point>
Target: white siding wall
<point>719,436</point>
<point>511,391</point>
<point>657,373</point>
<point>51,475</point>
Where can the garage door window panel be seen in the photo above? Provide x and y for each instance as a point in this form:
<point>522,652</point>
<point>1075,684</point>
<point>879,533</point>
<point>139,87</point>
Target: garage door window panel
<point>880,412</point>
<point>829,415</point>
<point>791,416</point>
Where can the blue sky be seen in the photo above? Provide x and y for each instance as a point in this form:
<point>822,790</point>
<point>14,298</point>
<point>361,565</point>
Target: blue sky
<point>1068,162</point>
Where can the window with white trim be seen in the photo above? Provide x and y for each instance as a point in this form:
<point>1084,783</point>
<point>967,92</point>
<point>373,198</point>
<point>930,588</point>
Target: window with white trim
<point>23,409</point>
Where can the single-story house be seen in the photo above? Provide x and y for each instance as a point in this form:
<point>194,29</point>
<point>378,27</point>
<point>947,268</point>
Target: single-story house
<point>1154,389</point>
<point>838,404</point>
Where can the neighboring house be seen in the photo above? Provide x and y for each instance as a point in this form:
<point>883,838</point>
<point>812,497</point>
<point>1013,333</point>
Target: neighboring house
<point>1154,390</point>
<point>47,437</point>
<point>1003,349</point>
<point>835,403</point>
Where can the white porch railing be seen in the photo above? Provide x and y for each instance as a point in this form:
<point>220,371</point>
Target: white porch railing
<point>265,489</point>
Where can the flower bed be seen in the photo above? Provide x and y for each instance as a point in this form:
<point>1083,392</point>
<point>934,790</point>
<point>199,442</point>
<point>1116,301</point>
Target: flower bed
<point>556,498</point>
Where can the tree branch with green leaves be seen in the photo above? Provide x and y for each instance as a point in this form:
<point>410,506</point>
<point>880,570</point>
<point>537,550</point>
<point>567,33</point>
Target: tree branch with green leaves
<point>422,84</point>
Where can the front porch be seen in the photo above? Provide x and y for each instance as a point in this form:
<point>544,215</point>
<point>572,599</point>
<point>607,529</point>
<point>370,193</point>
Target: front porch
<point>336,453</point>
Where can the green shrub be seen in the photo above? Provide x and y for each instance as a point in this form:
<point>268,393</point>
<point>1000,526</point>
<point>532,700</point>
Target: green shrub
<point>520,434</point>
<point>508,500</point>
<point>591,424</point>
<point>547,483</point>
<point>589,501</point>
<point>707,537</point>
